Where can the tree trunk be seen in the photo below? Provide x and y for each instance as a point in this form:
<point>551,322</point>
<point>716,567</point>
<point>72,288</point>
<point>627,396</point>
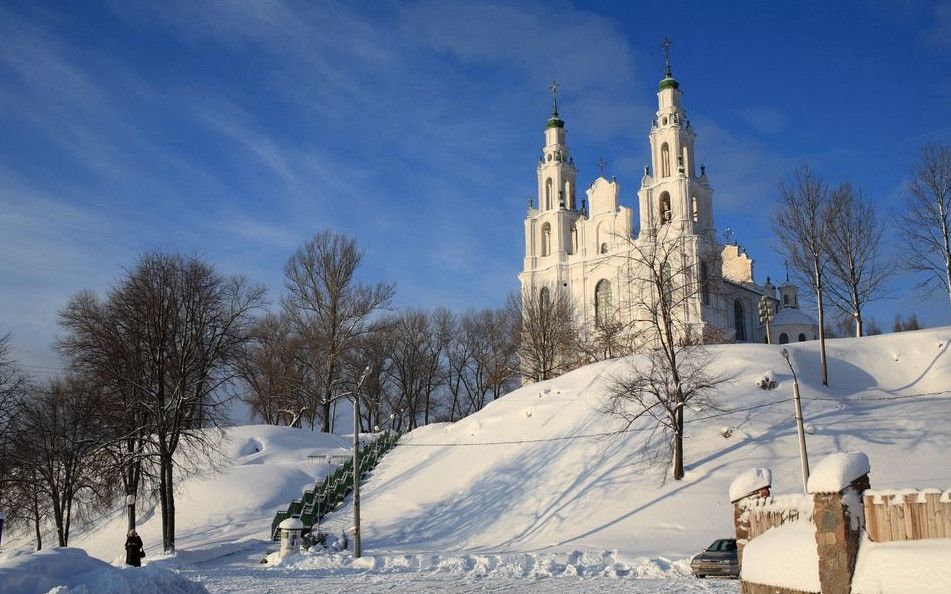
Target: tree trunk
<point>823,371</point>
<point>131,518</point>
<point>170,497</point>
<point>36,520</point>
<point>163,502</point>
<point>679,444</point>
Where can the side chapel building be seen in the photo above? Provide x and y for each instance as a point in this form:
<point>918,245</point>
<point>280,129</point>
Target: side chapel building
<point>585,247</point>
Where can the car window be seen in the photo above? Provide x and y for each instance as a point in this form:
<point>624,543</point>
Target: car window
<point>729,545</point>
<point>715,546</point>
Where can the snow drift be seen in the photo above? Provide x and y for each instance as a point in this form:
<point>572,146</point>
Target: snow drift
<point>72,571</point>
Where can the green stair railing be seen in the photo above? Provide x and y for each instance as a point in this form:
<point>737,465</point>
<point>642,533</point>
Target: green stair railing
<point>333,489</point>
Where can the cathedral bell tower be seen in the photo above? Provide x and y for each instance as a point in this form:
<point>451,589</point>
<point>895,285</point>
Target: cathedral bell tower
<point>672,193</point>
<point>548,236</point>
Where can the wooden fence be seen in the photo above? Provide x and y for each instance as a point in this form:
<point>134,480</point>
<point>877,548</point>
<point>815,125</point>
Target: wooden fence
<point>908,514</point>
<point>770,512</point>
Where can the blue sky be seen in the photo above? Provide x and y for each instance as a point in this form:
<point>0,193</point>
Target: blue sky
<point>236,129</point>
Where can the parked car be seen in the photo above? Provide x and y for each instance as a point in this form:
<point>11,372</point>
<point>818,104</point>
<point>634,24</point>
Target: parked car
<point>719,559</point>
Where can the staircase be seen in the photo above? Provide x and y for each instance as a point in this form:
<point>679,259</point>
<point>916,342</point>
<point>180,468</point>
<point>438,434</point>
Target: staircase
<point>330,492</point>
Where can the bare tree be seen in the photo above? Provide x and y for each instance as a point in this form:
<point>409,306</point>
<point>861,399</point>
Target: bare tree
<point>926,220</point>
<point>611,337</point>
<point>273,372</point>
<point>99,346</point>
<point>183,326</point>
<point>491,333</point>
<point>16,496</point>
<point>329,307</point>
<point>650,388</point>
<point>58,451</point>
<point>801,221</point>
<point>857,271</point>
<point>676,370</point>
<point>546,333</point>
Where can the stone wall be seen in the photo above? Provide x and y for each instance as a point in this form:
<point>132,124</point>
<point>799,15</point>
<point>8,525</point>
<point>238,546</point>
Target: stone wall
<point>749,588</point>
<point>840,520</point>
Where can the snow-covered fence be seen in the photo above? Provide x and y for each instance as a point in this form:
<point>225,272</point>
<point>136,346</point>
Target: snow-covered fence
<point>770,512</point>
<point>907,514</point>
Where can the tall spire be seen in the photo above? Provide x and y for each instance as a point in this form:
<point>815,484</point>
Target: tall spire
<point>554,121</point>
<point>667,44</point>
<point>669,81</point>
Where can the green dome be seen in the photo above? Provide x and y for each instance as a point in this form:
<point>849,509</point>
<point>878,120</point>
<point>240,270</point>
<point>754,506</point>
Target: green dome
<point>668,83</point>
<point>555,122</point>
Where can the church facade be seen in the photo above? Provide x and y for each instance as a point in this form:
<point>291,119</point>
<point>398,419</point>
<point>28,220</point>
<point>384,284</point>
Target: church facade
<point>590,249</point>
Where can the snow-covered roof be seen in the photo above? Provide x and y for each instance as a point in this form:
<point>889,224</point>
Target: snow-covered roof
<point>836,471</point>
<point>750,482</point>
<point>291,524</point>
<point>789,316</point>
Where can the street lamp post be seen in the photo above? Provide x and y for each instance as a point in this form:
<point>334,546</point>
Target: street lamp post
<point>803,457</point>
<point>766,315</point>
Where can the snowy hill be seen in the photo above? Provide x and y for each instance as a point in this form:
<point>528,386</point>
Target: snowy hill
<point>264,468</point>
<point>520,475</point>
<point>527,488</point>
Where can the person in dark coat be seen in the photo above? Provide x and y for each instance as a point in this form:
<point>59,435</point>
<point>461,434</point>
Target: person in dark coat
<point>133,549</point>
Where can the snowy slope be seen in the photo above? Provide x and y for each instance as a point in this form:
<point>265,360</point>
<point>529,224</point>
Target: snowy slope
<point>525,475</point>
<point>520,475</point>
<point>263,468</point>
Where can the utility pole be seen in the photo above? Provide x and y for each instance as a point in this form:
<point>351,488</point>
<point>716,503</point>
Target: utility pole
<point>357,550</point>
<point>803,457</point>
<point>766,316</point>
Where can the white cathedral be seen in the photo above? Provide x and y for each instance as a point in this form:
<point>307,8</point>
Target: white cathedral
<point>585,248</point>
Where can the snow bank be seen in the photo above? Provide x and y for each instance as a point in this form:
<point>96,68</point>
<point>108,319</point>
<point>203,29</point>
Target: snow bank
<point>836,471</point>
<point>519,565</point>
<point>920,566</point>
<point>72,571</point>
<point>784,557</point>
<point>750,482</point>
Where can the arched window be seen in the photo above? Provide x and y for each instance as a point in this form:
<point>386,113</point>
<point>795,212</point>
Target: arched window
<point>604,248</point>
<point>785,300</point>
<point>739,321</point>
<point>548,194</point>
<point>574,239</point>
<point>546,239</point>
<point>602,302</point>
<point>665,214</point>
<point>783,338</point>
<point>695,209</point>
<point>664,160</point>
<point>802,338</point>
<point>704,284</point>
<point>544,299</point>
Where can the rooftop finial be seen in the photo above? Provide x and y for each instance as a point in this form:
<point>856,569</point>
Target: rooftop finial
<point>554,97</point>
<point>787,270</point>
<point>601,165</point>
<point>666,45</point>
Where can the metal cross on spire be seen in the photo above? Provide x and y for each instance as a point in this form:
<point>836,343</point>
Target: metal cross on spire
<point>554,96</point>
<point>666,45</point>
<point>601,165</point>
